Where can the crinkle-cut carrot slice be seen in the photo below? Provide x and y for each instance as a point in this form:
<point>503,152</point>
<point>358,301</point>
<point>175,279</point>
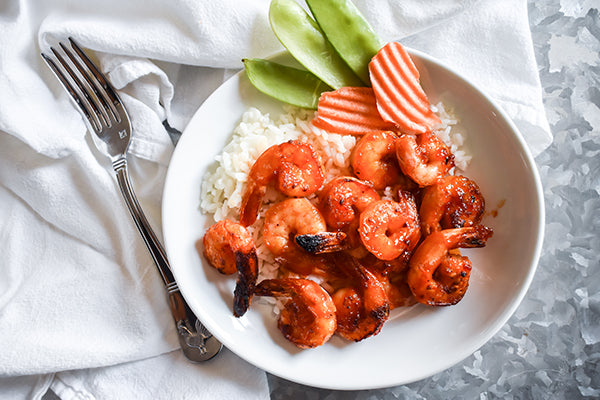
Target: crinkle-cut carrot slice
<point>399,96</point>
<point>350,110</point>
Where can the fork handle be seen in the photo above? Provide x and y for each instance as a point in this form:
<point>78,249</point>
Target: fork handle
<point>196,342</point>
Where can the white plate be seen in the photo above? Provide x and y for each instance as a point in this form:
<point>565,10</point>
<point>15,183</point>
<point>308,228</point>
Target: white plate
<point>416,342</point>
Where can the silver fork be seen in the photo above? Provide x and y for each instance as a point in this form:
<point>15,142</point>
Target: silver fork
<point>102,108</point>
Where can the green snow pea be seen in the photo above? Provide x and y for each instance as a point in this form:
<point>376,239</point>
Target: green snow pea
<point>348,32</point>
<point>290,85</point>
<point>301,35</point>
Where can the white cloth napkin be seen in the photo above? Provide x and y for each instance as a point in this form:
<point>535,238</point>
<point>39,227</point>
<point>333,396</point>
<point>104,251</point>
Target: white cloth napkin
<point>82,308</point>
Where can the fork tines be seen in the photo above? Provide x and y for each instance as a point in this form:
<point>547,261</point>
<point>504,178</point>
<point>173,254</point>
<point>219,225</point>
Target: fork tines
<point>87,86</point>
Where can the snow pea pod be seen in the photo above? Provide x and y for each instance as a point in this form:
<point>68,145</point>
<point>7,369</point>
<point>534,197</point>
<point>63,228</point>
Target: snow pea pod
<point>303,38</point>
<point>290,85</point>
<point>348,32</point>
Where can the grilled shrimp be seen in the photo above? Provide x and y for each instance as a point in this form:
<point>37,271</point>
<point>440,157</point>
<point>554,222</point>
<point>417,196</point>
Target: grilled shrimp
<point>286,220</point>
<point>229,247</point>
<point>363,307</point>
<point>308,317</point>
<point>293,166</point>
<point>424,158</point>
<point>392,275</point>
<point>388,228</point>
<point>435,276</point>
<point>343,199</point>
<point>453,202</point>
<point>374,159</point>
<point>398,290</point>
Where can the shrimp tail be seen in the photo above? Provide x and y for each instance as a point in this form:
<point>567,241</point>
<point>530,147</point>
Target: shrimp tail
<point>251,203</point>
<point>273,287</point>
<point>247,266</point>
<point>474,236</point>
<point>322,242</point>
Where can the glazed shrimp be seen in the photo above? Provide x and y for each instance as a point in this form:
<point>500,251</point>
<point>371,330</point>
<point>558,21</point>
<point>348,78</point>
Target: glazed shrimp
<point>362,308</point>
<point>424,158</point>
<point>229,247</point>
<point>392,275</point>
<point>343,199</point>
<point>374,159</point>
<point>396,288</point>
<point>438,278</point>
<point>398,291</point>
<point>454,202</point>
<point>293,166</point>
<point>308,317</point>
<point>283,222</point>
<point>388,228</point>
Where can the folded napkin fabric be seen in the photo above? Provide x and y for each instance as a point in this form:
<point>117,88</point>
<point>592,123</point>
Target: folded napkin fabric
<point>82,307</point>
<point>156,378</point>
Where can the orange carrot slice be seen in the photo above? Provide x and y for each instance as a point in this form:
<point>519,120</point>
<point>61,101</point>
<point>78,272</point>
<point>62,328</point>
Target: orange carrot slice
<point>350,110</point>
<point>399,96</point>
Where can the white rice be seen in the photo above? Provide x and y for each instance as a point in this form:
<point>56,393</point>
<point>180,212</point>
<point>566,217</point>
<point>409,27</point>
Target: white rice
<point>223,186</point>
<point>452,137</point>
